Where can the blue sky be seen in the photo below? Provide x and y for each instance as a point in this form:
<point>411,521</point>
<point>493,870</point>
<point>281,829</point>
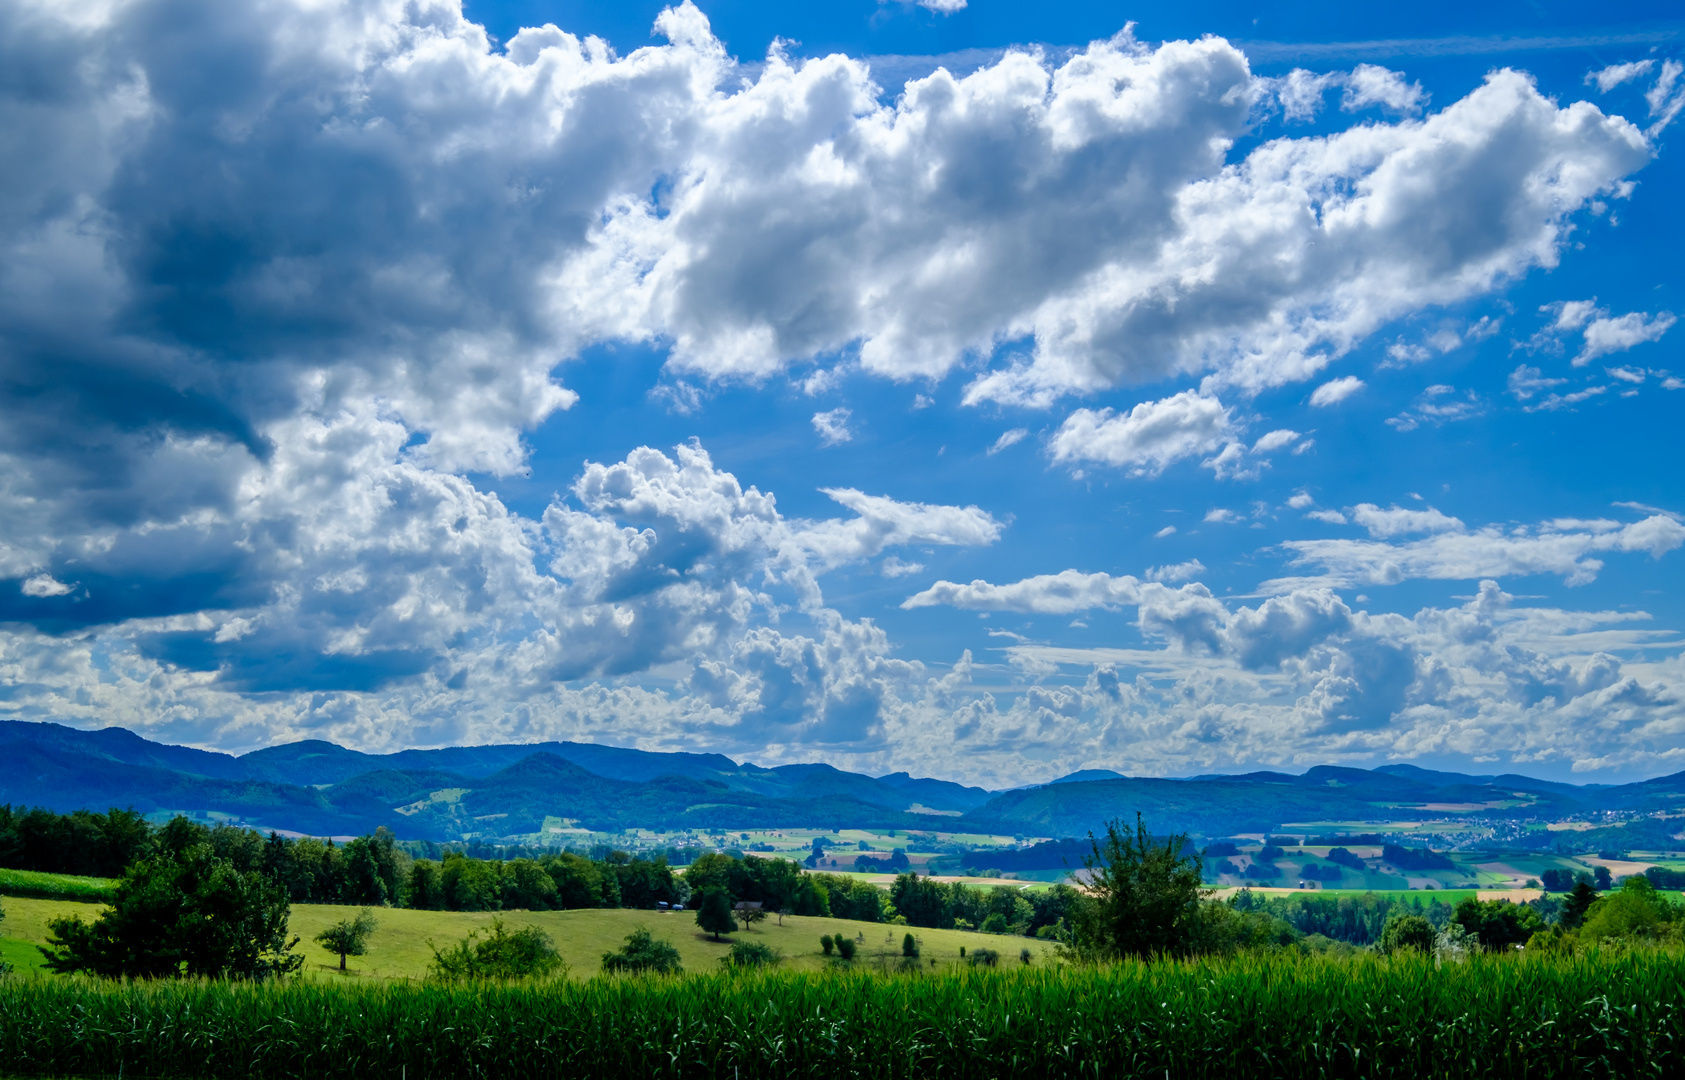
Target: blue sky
<point>988,392</point>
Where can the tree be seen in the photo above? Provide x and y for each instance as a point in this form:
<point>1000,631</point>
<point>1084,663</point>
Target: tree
<point>715,914</point>
<point>348,937</point>
<point>749,916</point>
<point>1558,879</point>
<point>181,913</point>
<point>642,955</point>
<point>1636,910</point>
<point>1407,933</point>
<point>500,954</point>
<point>1601,879</point>
<point>910,946</point>
<point>1145,895</point>
<point>1576,904</point>
<point>1498,924</point>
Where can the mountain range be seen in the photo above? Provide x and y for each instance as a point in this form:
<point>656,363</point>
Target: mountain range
<point>517,790</point>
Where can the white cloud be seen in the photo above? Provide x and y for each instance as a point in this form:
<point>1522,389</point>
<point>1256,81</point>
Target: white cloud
<point>1147,439</point>
<point>1008,438</point>
<point>42,585</point>
<point>1300,92</point>
<point>1220,516</point>
<point>1048,594</point>
<point>894,567</point>
<point>1615,74</point>
<point>1173,572</point>
<point>1335,391</point>
<point>1605,336</point>
<point>832,426</point>
<point>1461,554</point>
<point>1525,382</point>
<point>1331,517</point>
<point>1168,530</point>
<point>1274,440</point>
<point>884,522</point>
<point>1301,500</point>
<point>1666,98</point>
<point>1438,404</point>
<point>943,7</point>
<point>1397,522</point>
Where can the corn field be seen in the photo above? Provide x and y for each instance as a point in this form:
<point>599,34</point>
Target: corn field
<point>1615,1014</point>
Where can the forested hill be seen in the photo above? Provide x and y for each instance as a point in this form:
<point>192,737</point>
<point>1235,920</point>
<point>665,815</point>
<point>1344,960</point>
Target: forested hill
<point>511,790</point>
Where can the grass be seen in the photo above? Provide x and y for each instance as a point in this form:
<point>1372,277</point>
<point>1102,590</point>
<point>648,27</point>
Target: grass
<point>1265,1016</point>
<point>398,948</point>
<point>55,886</point>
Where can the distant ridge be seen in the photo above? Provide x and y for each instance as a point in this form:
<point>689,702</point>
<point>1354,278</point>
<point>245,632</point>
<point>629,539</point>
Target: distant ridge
<point>515,792</point>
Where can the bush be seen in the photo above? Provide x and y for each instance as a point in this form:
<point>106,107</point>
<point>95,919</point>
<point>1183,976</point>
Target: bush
<point>643,955</point>
<point>1025,955</point>
<point>995,924</point>
<point>500,954</point>
<point>845,947</point>
<point>909,946</point>
<point>752,954</point>
<point>1498,924</point>
<point>983,958</point>
<point>826,943</point>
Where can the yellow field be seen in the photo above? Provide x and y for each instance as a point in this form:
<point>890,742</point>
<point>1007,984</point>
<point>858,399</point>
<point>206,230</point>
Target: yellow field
<point>399,946</point>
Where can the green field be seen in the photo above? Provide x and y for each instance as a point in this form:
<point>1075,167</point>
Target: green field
<point>1270,1015</point>
<point>399,948</point>
<point>54,886</point>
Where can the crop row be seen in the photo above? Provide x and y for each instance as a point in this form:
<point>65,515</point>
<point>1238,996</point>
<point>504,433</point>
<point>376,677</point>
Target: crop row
<point>1609,1014</point>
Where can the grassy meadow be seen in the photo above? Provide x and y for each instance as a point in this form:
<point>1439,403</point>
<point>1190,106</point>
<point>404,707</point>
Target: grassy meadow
<point>399,947</point>
<point>1619,1013</point>
<point>55,886</point>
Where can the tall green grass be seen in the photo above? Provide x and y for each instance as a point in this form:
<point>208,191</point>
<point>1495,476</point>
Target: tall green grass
<point>43,886</point>
<point>1616,1014</point>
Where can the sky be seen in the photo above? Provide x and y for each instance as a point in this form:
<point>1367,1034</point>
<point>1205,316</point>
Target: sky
<point>985,390</point>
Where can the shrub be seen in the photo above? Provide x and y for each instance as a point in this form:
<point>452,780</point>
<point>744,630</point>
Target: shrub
<point>983,958</point>
<point>909,946</point>
<point>826,943</point>
<point>643,955</point>
<point>845,947</point>
<point>500,954</point>
<point>1025,955</point>
<point>751,954</point>
<point>1498,924</point>
<point>995,923</point>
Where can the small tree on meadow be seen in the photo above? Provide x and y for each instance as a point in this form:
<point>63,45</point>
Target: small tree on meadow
<point>909,946</point>
<point>749,916</point>
<point>715,914</point>
<point>348,937</point>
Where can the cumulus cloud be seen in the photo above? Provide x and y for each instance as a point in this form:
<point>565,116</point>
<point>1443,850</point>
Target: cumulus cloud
<point>832,426</point>
<point>1054,594</point>
<point>1604,335</point>
<point>1455,552</point>
<point>1300,92</point>
<point>1335,391</point>
<point>1147,439</point>
<point>1182,571</point>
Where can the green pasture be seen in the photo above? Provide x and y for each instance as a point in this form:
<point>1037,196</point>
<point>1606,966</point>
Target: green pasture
<point>399,948</point>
